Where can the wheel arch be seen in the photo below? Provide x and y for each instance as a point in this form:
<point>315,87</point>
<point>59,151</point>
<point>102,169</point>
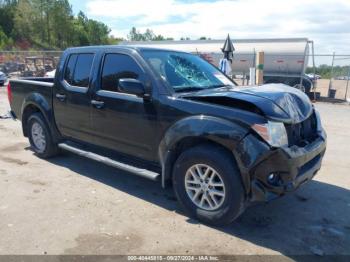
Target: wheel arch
<point>193,131</point>
<point>37,103</point>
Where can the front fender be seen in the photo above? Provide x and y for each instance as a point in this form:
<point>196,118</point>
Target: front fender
<point>218,130</point>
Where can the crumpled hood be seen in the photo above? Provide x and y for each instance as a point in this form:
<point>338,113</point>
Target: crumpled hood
<point>278,102</point>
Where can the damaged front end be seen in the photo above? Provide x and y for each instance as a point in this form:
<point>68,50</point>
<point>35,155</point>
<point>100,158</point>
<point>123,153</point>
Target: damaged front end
<point>282,152</point>
<point>271,172</point>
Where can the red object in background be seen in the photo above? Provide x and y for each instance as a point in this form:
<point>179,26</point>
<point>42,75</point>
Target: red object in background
<point>23,44</point>
<point>9,93</point>
<point>207,57</point>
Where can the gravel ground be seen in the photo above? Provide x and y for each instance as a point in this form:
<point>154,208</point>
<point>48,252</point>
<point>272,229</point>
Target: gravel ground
<point>70,205</point>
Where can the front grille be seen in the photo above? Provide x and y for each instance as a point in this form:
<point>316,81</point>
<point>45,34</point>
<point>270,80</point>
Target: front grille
<point>302,133</point>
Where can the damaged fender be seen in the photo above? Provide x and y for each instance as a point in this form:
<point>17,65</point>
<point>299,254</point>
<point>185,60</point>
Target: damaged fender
<point>217,130</point>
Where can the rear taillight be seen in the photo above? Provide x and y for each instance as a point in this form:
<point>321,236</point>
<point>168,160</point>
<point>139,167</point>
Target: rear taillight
<point>9,93</point>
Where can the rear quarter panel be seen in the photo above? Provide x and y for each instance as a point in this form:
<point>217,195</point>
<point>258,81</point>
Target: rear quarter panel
<point>35,92</point>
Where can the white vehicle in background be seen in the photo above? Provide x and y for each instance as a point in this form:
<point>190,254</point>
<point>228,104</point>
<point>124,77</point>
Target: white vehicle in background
<point>313,76</point>
<point>50,74</point>
<point>3,78</point>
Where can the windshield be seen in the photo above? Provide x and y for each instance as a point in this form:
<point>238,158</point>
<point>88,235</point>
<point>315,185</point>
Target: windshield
<point>185,72</point>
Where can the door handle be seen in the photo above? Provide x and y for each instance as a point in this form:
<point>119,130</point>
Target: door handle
<point>97,104</point>
<point>61,97</point>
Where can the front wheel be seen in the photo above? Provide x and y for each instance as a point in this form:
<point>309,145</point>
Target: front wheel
<point>40,137</point>
<point>207,184</point>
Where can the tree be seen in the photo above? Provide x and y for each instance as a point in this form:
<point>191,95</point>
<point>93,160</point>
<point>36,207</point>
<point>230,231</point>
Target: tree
<point>7,12</point>
<point>4,40</point>
<point>97,32</point>
<point>158,38</point>
<point>134,35</point>
<point>114,40</point>
<point>25,19</point>
<point>148,35</point>
<point>80,30</point>
<point>89,31</point>
<point>49,24</point>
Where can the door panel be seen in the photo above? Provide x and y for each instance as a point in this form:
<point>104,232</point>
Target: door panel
<point>125,123</point>
<point>73,114</point>
<point>72,101</point>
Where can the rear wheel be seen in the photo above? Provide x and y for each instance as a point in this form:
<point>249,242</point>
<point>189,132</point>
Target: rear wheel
<point>207,184</point>
<point>40,137</point>
<point>305,86</point>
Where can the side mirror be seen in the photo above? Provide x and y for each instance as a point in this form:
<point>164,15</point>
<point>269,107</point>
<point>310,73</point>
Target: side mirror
<point>131,86</point>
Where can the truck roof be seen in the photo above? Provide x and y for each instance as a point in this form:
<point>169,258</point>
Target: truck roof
<point>116,47</point>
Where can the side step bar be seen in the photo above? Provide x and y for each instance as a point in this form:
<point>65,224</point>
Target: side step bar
<point>110,162</point>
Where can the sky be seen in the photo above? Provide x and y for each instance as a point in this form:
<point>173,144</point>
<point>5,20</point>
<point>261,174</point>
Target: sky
<point>327,22</point>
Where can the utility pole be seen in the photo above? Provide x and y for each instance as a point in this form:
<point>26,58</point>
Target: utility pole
<point>347,84</point>
<point>252,77</point>
<point>260,68</point>
<point>314,81</point>
<point>330,80</point>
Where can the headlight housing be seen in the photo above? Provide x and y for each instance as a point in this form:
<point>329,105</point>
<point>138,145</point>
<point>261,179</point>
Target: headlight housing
<point>274,133</point>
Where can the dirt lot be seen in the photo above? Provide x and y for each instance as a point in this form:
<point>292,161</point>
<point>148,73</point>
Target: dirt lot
<point>70,205</point>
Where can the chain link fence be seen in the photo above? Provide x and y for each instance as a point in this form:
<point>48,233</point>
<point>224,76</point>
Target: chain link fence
<point>337,82</point>
<point>329,78</point>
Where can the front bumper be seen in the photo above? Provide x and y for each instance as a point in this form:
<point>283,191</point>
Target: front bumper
<point>269,173</point>
<point>290,167</point>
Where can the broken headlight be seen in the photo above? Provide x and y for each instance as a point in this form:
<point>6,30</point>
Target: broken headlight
<point>274,133</point>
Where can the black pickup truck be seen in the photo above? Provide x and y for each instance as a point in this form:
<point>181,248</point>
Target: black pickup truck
<point>172,116</point>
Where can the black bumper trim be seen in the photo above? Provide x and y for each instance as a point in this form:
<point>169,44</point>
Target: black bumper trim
<point>293,166</point>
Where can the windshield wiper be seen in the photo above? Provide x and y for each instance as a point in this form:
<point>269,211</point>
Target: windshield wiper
<point>196,88</point>
<point>217,86</point>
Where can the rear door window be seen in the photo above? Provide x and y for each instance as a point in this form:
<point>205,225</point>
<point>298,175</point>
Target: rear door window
<point>78,69</point>
<point>68,76</point>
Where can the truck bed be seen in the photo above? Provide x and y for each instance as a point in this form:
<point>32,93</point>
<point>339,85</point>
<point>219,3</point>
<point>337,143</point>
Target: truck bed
<point>23,88</point>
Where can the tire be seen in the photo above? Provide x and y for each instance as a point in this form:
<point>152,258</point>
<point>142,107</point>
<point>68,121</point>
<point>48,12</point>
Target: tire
<point>230,206</point>
<point>300,87</point>
<point>304,87</point>
<point>44,147</point>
